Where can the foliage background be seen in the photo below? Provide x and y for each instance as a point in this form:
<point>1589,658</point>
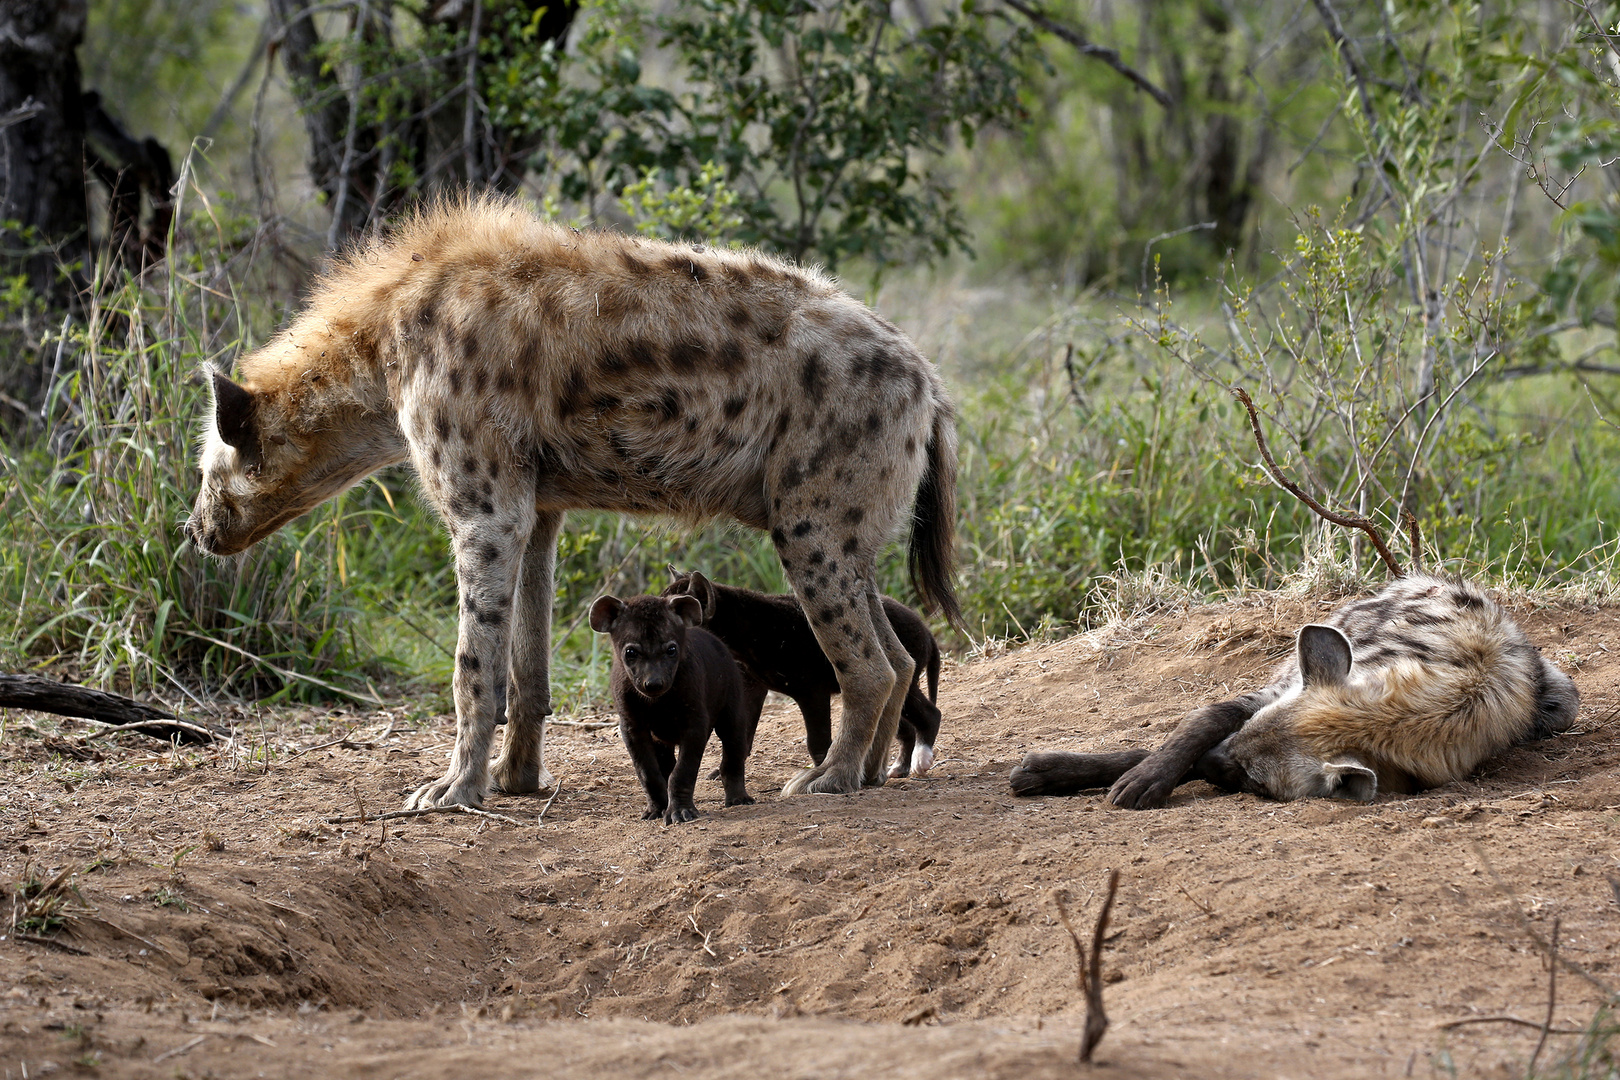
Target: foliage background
<point>1396,226</point>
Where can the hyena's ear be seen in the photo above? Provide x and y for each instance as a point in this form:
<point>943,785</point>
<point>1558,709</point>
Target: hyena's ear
<point>687,609</point>
<point>1324,656</point>
<point>1348,778</point>
<point>605,612</point>
<point>702,588</point>
<point>234,416</point>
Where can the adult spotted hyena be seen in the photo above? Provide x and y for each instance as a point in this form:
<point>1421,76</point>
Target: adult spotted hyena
<point>525,370</point>
<point>1413,687</point>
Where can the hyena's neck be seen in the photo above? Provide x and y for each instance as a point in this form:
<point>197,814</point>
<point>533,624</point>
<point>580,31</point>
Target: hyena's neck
<point>323,372</point>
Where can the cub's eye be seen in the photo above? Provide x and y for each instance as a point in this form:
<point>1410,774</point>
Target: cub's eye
<point>669,650</point>
<point>631,652</point>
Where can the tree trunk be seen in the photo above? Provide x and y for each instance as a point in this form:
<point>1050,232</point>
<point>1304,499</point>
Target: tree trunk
<point>42,144</point>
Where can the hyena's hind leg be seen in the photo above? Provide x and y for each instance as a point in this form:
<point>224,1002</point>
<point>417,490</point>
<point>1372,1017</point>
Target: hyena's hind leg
<point>900,659</point>
<point>834,587</point>
<point>521,767</point>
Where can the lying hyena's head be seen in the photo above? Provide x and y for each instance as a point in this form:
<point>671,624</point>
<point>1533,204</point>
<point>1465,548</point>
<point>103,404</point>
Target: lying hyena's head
<point>270,454</point>
<point>649,637</point>
<point>1267,757</point>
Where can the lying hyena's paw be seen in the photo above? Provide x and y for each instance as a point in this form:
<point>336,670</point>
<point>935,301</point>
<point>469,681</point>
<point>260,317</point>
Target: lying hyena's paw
<point>824,780</point>
<point>527,780</point>
<point>677,815</point>
<point>1142,789</point>
<point>449,791</point>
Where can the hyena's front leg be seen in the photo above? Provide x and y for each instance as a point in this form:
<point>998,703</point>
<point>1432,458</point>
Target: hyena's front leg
<point>521,768</point>
<point>489,534</point>
<point>1151,781</point>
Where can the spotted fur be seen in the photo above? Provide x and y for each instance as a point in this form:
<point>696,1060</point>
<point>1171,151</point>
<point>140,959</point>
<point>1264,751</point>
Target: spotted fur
<point>1410,688</point>
<point>525,369</point>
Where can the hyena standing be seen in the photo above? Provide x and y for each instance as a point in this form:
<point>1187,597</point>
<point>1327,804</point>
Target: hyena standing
<point>525,370</point>
<point>1410,688</point>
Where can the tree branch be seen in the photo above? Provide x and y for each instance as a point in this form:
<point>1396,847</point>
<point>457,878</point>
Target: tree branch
<point>1342,520</point>
<point>1087,47</point>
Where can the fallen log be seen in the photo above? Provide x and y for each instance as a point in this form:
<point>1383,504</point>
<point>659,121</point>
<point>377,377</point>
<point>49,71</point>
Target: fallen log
<point>119,713</point>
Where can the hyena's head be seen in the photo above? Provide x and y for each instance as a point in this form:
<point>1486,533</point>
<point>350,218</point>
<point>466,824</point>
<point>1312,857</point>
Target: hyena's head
<point>273,453</point>
<point>649,637</point>
<point>1266,756</point>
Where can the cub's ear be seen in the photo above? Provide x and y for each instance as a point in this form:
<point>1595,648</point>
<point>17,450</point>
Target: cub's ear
<point>234,416</point>
<point>1324,656</point>
<point>674,574</point>
<point>605,612</point>
<point>687,609</point>
<point>702,588</point>
<point>1348,778</point>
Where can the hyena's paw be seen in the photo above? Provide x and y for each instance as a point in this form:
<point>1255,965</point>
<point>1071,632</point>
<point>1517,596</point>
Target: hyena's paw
<point>1142,789</point>
<point>824,780</point>
<point>677,815</point>
<point>533,779</point>
<point>448,791</point>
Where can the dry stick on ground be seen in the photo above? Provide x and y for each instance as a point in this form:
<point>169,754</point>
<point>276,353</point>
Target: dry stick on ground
<point>1447,1025</point>
<point>556,791</point>
<point>1089,969</point>
<point>1342,520</point>
<point>1552,998</point>
<point>1549,951</point>
<point>458,808</point>
<point>118,712</point>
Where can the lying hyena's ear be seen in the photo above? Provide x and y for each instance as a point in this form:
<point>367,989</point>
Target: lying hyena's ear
<point>605,612</point>
<point>700,587</point>
<point>1324,656</point>
<point>687,609</point>
<point>1348,778</point>
<point>234,416</point>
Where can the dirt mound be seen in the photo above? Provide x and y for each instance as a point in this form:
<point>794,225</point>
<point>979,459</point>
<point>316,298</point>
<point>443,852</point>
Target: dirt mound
<point>220,925</point>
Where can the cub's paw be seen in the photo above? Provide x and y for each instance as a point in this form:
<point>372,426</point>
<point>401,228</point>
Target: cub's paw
<point>677,815</point>
<point>741,800</point>
<point>899,769</point>
<point>652,813</point>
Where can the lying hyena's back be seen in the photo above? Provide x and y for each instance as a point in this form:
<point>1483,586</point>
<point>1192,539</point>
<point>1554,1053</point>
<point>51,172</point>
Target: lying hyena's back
<point>630,375</point>
<point>1441,678</point>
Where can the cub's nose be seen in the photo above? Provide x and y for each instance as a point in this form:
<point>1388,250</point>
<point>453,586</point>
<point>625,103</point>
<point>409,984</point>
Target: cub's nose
<point>654,687</point>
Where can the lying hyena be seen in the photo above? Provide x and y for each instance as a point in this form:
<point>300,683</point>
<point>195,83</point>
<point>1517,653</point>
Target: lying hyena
<point>1407,689</point>
<point>525,370</point>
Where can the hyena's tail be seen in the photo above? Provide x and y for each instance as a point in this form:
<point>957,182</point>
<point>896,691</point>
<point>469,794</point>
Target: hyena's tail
<point>932,555</point>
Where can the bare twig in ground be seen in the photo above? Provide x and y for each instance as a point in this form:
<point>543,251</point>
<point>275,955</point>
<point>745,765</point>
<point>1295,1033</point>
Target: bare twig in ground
<point>177,1051</point>
<point>1343,520</point>
<point>556,791</point>
<point>39,939</point>
<point>1447,1025</point>
<point>1089,969</point>
<point>1552,997</point>
<point>1549,951</point>
<point>587,725</point>
<point>458,808</point>
<point>1205,908</point>
<point>341,740</point>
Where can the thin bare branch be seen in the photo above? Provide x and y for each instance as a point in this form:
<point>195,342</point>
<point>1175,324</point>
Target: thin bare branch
<point>1089,968</point>
<point>1343,520</point>
<point>1087,47</point>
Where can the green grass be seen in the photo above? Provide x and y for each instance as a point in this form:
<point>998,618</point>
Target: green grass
<point>1088,451</point>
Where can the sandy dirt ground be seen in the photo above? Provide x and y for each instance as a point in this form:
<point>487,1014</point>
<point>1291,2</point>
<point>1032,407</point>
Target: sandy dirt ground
<point>211,922</point>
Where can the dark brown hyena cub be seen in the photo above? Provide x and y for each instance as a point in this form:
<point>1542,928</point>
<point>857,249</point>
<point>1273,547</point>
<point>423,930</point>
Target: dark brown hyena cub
<point>772,639</point>
<point>674,683</point>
